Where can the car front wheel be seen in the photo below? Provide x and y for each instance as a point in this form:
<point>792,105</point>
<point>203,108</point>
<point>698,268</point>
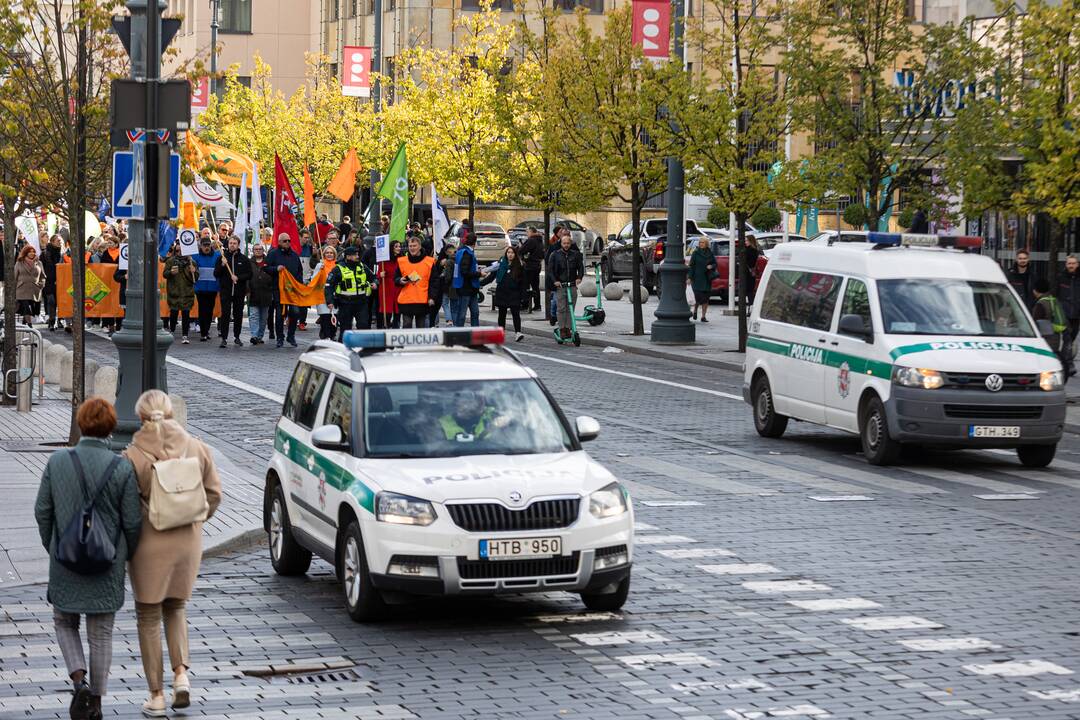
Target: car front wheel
<point>286,555</point>
<point>362,599</point>
<point>608,602</point>
<point>879,448</point>
<point>1036,456</point>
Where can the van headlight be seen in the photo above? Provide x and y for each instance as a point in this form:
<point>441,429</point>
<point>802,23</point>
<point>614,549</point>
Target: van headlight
<point>608,501</point>
<point>1051,380</point>
<point>403,510</point>
<point>917,377</point>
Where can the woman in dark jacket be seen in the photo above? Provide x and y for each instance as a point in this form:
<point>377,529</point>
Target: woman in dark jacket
<point>702,269</point>
<point>510,288</point>
<point>50,258</point>
<point>441,276</point>
<point>180,276</point>
<point>61,497</point>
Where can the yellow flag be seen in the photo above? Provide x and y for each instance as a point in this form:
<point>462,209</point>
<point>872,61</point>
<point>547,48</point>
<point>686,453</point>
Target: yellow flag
<point>225,165</point>
<point>344,183</point>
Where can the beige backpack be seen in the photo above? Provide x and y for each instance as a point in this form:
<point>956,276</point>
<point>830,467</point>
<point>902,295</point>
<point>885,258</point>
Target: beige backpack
<point>177,497</point>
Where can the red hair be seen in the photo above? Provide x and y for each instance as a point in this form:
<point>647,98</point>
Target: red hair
<point>25,251</point>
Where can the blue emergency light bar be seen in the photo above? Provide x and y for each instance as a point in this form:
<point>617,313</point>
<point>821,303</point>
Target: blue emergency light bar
<point>415,338</point>
<point>960,242</point>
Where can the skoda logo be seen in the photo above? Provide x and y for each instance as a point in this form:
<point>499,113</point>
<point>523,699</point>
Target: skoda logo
<point>515,497</point>
<point>994,382</point>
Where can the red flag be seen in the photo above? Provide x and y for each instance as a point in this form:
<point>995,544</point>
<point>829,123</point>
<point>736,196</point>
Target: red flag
<point>284,202</point>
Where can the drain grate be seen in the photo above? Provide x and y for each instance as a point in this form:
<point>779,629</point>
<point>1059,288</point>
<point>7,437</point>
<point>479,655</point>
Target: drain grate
<point>313,671</point>
<point>328,677</point>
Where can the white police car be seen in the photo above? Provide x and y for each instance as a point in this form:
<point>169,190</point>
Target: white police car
<point>902,339</point>
<point>432,462</point>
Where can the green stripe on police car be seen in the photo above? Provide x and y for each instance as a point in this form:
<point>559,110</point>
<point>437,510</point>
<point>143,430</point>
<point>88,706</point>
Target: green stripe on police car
<point>821,356</point>
<point>321,466</point>
<point>970,345</point>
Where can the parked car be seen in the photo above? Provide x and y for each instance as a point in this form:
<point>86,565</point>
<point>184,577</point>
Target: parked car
<point>721,250</point>
<point>588,241</point>
<point>491,242</point>
<point>617,257</point>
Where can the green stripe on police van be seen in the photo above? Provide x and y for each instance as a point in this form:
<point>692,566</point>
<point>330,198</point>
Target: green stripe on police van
<point>821,356</point>
<point>321,466</point>
<point>970,345</point>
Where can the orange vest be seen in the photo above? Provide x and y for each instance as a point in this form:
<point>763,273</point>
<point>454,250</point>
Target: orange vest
<point>415,293</point>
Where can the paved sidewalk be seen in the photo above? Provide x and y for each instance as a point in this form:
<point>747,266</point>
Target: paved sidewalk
<point>27,440</point>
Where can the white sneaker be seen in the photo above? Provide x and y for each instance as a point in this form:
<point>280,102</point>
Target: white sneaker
<point>184,340</point>
<point>520,337</point>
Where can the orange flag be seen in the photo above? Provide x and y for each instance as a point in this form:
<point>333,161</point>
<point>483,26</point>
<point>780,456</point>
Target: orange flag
<point>309,199</point>
<point>309,294</point>
<point>344,182</point>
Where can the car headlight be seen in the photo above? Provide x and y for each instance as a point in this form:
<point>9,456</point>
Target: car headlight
<point>917,377</point>
<point>403,510</point>
<point>608,501</point>
<point>1051,380</point>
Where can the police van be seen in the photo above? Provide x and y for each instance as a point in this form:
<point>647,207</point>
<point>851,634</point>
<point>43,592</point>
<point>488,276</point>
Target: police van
<point>902,339</point>
<point>433,462</point>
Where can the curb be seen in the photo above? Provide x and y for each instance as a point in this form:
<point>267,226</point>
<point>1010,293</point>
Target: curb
<point>233,540</point>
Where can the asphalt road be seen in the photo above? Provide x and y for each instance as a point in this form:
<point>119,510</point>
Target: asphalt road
<point>782,578</point>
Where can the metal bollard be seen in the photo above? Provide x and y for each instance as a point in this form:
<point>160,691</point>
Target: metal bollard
<point>24,388</point>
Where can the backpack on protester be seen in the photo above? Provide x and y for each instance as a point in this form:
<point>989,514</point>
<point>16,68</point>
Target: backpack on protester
<point>84,547</point>
<point>177,497</point>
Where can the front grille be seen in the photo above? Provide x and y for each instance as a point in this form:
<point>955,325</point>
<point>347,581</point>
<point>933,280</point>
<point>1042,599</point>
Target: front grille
<point>977,381</point>
<point>994,412</point>
<point>490,517</point>
<point>495,569</point>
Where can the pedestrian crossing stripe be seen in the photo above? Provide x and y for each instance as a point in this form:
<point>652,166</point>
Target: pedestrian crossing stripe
<point>337,477</point>
<point>821,356</point>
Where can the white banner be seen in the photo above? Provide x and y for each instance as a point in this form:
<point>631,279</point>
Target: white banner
<point>440,222</point>
<point>240,225</point>
<point>28,228</point>
<point>189,241</point>
<point>122,263</point>
<point>382,248</point>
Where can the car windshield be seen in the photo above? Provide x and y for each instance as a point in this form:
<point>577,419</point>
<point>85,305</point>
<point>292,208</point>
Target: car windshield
<point>486,228</point>
<point>938,306</point>
<point>720,248</point>
<point>452,419</point>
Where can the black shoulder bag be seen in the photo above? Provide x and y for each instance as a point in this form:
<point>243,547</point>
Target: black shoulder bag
<point>84,547</point>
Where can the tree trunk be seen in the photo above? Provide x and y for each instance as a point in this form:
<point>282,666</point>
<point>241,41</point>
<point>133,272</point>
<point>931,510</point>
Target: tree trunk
<point>76,221</point>
<point>742,275</point>
<point>1053,247</point>
<point>547,225</point>
<point>9,299</point>
<point>472,211</point>
<point>636,204</point>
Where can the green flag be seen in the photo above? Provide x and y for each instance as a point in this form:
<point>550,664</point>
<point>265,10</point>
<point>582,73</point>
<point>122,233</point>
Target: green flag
<point>395,188</point>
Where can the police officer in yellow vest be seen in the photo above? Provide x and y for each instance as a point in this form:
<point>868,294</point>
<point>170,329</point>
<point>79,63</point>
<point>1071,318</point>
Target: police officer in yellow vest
<point>348,291</point>
<point>471,419</point>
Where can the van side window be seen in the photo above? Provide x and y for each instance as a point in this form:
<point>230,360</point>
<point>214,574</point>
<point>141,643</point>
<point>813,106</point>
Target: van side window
<point>309,400</point>
<point>296,387</point>
<point>339,408</point>
<point>857,302</point>
<point>801,298</point>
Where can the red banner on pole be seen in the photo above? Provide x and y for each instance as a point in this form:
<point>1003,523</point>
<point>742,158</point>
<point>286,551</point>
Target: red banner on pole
<point>356,71</point>
<point>200,94</point>
<point>284,202</point>
<point>651,28</point>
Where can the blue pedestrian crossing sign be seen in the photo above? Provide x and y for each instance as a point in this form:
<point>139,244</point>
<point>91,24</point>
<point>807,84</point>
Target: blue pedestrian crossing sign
<point>124,192</point>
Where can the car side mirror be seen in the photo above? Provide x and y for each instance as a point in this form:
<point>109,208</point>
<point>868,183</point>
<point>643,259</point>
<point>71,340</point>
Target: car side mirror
<point>853,325</point>
<point>328,437</point>
<point>1045,327</point>
<point>587,428</point>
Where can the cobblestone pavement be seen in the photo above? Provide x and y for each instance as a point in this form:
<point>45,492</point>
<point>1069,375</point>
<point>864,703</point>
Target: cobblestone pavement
<point>781,578</point>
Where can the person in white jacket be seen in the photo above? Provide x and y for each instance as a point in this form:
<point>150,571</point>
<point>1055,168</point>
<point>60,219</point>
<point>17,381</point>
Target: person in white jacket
<point>327,325</point>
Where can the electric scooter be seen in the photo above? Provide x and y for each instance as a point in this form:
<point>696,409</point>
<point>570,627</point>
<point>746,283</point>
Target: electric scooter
<point>574,338</point>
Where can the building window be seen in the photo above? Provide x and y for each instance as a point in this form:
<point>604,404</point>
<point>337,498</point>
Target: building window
<point>503,5</point>
<point>244,80</point>
<point>333,10</point>
<point>235,16</point>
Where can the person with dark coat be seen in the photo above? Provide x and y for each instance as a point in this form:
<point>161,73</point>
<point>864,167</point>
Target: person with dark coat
<point>233,272</point>
<point>552,245</point>
<point>1068,293</point>
<point>465,285</point>
<point>919,222</point>
<point>206,283</point>
<point>51,256</point>
<point>283,259</point>
<point>511,286</point>
<point>1047,307</point>
<point>348,291</point>
<point>1022,278</point>
<point>262,294</point>
<point>566,268</point>
<point>442,275</point>
<point>180,275</point>
<point>701,272</point>
<point>61,498</point>
<point>532,258</point>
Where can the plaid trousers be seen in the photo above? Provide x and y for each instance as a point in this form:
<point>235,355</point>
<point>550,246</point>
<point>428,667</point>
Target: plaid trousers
<point>99,631</point>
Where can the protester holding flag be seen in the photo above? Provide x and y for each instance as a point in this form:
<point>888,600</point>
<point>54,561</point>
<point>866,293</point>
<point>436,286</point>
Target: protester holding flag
<point>233,271</point>
<point>283,259</point>
<point>262,294</point>
<point>327,331</point>
<point>413,276</point>
<point>206,285</point>
<point>180,275</point>
<point>347,291</point>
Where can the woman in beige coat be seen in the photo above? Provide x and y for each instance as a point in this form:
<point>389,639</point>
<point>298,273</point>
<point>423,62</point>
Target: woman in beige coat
<point>163,571</point>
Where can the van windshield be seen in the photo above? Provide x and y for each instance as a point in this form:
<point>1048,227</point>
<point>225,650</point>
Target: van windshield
<point>452,419</point>
<point>925,306</point>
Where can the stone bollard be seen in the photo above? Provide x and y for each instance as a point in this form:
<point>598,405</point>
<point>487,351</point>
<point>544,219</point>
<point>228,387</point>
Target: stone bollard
<point>65,371</point>
<point>90,369</point>
<point>587,287</point>
<point>613,291</point>
<point>179,406</point>
<point>53,357</point>
<point>105,380</point>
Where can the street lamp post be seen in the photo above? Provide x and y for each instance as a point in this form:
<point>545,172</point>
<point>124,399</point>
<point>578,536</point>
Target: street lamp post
<point>672,325</point>
<point>375,204</point>
<point>215,13</point>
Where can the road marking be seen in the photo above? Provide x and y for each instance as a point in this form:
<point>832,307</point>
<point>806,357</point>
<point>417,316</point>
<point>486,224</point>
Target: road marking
<point>776,471</point>
<point>694,553</point>
<point>605,639</point>
<point>948,644</point>
<point>685,659</point>
<point>670,503</point>
<point>840,498</point>
<point>579,617</point>
<point>966,478</point>
<point>633,376</point>
<point>828,604</point>
<point>1019,668</point>
<point>778,587</point>
<point>640,526</point>
<point>892,622</point>
<point>786,711</point>
<point>1069,696</point>
<point>859,475</point>
<point>739,569</point>
<point>1045,476</point>
<point>662,539</point>
<point>238,384</point>
<point>1009,496</point>
<point>701,686</point>
<point>691,475</point>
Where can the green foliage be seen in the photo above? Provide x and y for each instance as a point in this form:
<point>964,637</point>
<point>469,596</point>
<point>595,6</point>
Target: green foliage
<point>718,216</point>
<point>856,215</point>
<point>766,218</point>
<point>906,218</point>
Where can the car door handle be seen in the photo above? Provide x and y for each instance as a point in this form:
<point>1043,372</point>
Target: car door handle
<point>834,342</point>
<point>821,340</point>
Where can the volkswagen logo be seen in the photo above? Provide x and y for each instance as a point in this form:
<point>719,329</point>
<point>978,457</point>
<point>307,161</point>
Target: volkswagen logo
<point>994,382</point>
<point>515,497</point>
